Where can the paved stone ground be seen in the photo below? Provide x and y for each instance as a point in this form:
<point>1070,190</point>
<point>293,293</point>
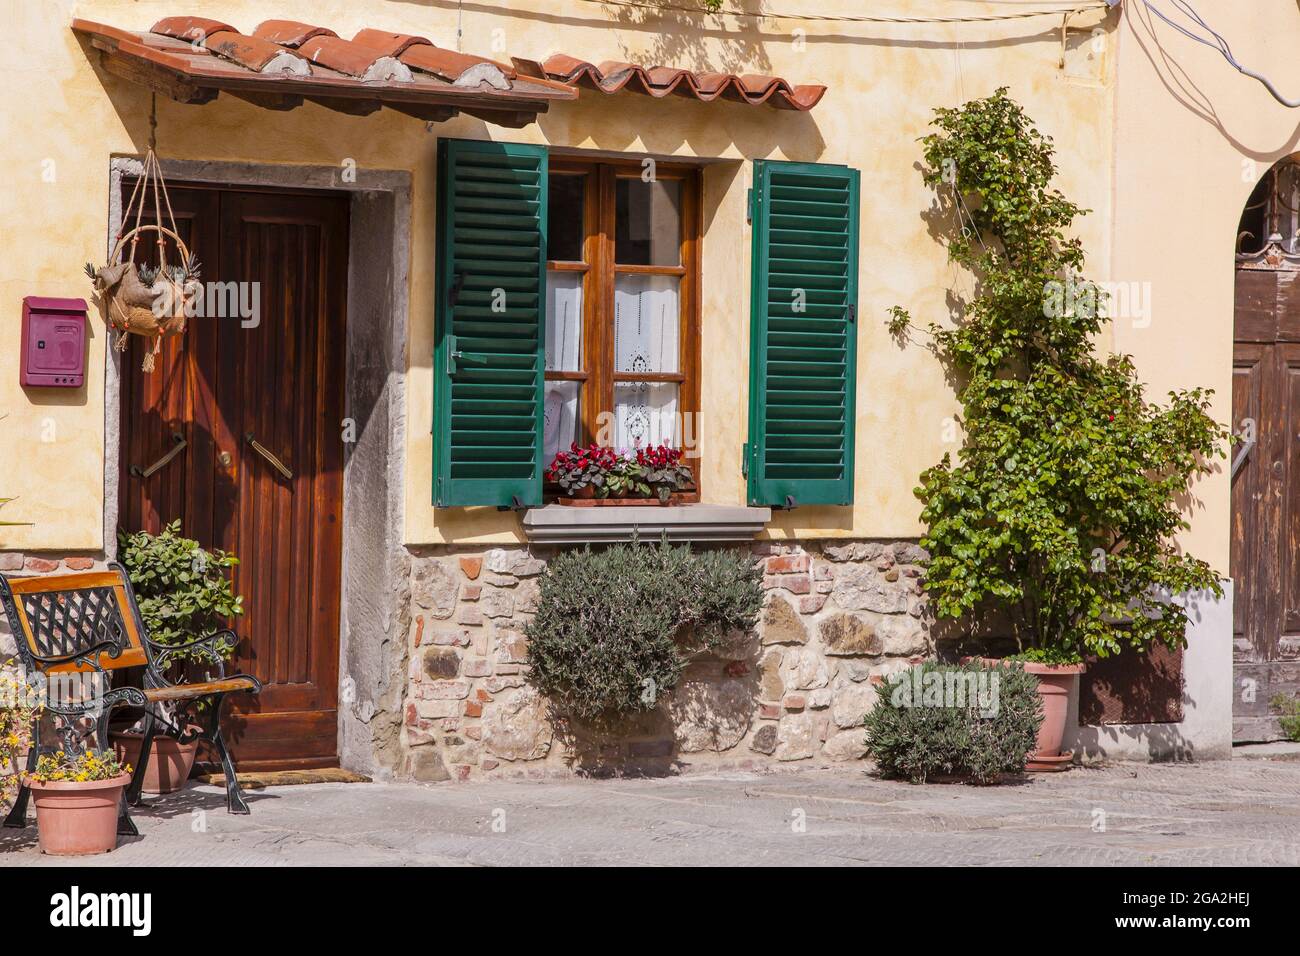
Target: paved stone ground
<point>1244,812</point>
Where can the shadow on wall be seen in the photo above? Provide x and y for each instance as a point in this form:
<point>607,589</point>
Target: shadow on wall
<point>1185,91</point>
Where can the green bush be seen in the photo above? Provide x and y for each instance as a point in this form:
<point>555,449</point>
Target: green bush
<point>977,721</point>
<point>1288,709</point>
<point>1061,509</point>
<point>183,591</point>
<point>613,627</point>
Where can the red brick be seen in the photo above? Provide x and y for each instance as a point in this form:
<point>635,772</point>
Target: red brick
<point>78,564</point>
<point>482,695</point>
<point>472,592</point>
<point>419,631</point>
<point>471,567</point>
<point>412,716</point>
<point>463,771</point>
<point>40,564</point>
<point>795,702</point>
<point>769,711</point>
<point>787,563</point>
<point>473,708</point>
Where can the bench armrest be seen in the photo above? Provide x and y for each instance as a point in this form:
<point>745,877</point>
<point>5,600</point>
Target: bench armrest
<point>207,647</point>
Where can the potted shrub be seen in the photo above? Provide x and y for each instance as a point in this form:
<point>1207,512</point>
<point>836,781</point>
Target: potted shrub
<point>183,592</point>
<point>78,798</point>
<point>1055,524</point>
<point>976,722</point>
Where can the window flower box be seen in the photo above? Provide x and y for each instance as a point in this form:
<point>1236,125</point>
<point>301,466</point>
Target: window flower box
<point>601,477</point>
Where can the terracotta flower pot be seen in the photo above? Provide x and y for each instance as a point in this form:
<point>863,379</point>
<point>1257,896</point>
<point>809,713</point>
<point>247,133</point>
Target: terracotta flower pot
<point>169,762</point>
<point>76,818</point>
<point>1054,684</point>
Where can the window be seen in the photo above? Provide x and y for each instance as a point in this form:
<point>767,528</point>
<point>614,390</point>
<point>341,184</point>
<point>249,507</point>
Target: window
<point>622,329</point>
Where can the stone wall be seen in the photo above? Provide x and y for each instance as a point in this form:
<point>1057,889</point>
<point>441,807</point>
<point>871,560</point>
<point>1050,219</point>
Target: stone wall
<point>838,618</point>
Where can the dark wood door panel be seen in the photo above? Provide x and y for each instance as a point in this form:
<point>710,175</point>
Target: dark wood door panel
<point>1248,375</point>
<point>274,378</point>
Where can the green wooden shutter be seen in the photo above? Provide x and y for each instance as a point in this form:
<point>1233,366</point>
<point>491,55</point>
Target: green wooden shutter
<point>489,360</point>
<point>803,334</point>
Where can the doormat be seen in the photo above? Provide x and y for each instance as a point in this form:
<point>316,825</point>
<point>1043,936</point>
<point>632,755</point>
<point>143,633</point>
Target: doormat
<point>285,778</point>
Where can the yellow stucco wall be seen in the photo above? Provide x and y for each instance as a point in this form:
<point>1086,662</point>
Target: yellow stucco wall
<point>884,80</point>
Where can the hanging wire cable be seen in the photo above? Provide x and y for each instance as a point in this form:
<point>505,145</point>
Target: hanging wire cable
<point>1215,41</point>
<point>850,18</point>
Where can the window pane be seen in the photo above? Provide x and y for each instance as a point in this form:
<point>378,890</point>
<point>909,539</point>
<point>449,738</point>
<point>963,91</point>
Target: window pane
<point>647,223</point>
<point>560,425</point>
<point>646,310</point>
<point>645,413</point>
<point>564,225</point>
<point>563,321</point>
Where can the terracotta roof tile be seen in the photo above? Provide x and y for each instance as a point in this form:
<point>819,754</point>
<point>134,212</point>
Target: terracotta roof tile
<point>290,33</point>
<point>389,44</point>
<point>613,76</point>
<point>190,28</point>
<point>353,59</point>
<point>256,53</point>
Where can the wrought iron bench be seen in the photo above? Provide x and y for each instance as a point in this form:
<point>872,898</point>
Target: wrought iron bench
<point>76,628</point>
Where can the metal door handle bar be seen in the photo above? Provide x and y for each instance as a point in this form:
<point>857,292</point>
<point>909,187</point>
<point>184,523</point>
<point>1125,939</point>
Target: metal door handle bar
<point>1240,460</point>
<point>176,449</point>
<point>275,462</point>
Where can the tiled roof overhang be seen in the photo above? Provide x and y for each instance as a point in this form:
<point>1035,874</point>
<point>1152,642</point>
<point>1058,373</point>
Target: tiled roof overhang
<point>658,81</point>
<point>284,63</point>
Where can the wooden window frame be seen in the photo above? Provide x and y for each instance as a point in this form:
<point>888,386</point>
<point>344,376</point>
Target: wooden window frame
<point>600,270</point>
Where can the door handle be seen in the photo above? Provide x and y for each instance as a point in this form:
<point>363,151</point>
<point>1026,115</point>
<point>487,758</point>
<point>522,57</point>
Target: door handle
<point>179,446</point>
<point>275,462</point>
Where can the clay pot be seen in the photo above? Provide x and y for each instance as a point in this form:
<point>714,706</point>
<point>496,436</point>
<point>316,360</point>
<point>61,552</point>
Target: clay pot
<point>169,762</point>
<point>1054,684</point>
<point>76,818</point>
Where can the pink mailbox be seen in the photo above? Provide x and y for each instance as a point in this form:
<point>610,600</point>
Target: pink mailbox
<point>54,342</point>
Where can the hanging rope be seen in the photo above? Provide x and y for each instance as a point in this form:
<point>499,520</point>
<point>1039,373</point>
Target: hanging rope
<point>139,300</point>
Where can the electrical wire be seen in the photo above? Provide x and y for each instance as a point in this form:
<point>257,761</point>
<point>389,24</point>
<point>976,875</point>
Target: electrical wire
<point>827,18</point>
<point>1215,41</point>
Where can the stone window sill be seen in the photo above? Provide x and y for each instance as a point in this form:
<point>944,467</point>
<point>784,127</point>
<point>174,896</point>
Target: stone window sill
<point>561,524</point>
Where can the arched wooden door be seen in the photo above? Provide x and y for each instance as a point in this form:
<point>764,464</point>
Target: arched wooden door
<point>254,398</point>
<point>1265,556</point>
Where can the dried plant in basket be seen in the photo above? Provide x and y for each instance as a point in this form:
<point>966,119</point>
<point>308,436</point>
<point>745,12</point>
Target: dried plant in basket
<point>139,299</point>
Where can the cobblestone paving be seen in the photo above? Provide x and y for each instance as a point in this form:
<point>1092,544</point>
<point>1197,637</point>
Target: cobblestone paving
<point>1243,812</point>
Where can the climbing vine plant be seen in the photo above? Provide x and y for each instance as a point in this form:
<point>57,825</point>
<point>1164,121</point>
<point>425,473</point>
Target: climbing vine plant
<point>1058,516</point>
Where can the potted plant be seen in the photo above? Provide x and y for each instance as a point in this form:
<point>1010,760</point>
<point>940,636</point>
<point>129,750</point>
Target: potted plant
<point>1056,523</point>
<point>183,592</point>
<point>662,469</point>
<point>600,475</point>
<point>20,707</point>
<point>78,798</point>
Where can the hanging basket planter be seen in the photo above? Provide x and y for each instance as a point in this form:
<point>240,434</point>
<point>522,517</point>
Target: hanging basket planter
<point>134,298</point>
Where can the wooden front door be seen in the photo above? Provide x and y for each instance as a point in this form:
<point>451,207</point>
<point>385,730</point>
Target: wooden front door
<point>255,393</point>
<point>1264,563</point>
